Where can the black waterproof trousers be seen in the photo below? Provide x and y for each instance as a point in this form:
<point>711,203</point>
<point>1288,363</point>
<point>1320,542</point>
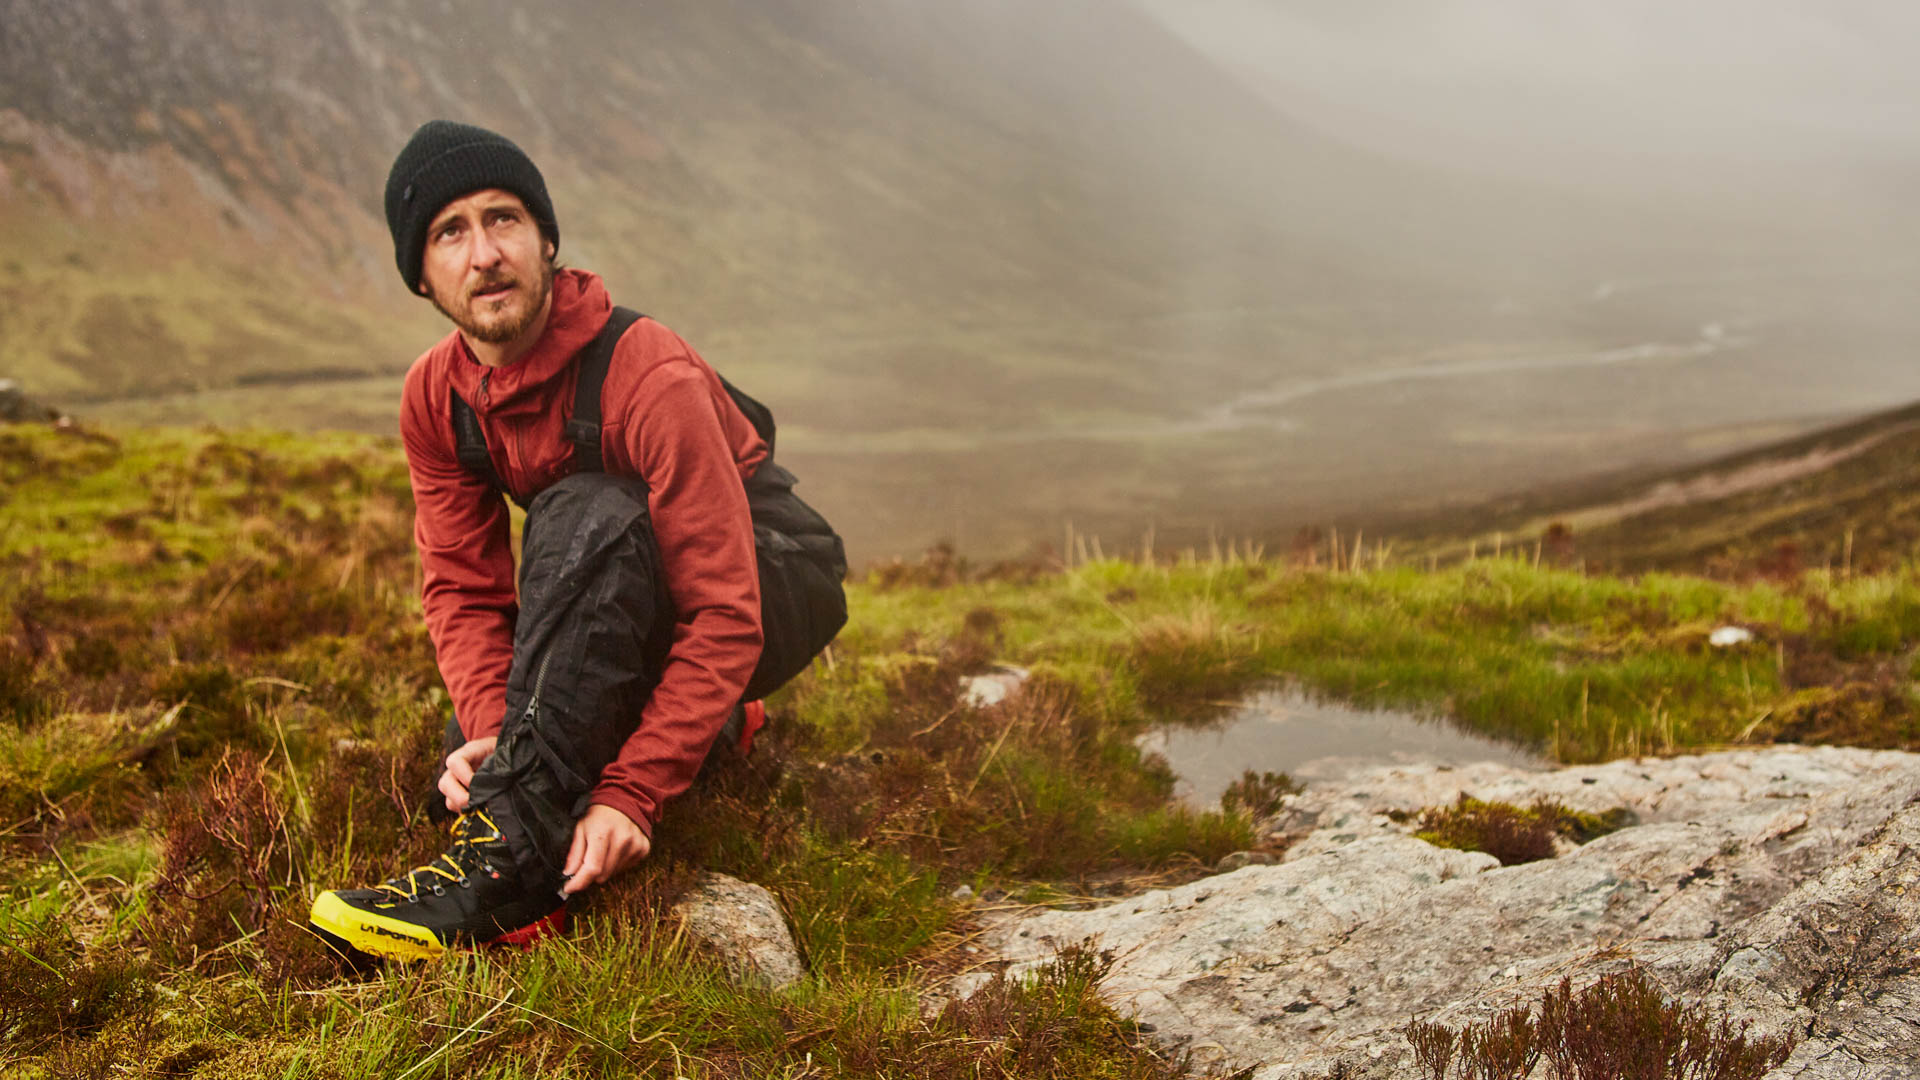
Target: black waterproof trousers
<point>592,638</point>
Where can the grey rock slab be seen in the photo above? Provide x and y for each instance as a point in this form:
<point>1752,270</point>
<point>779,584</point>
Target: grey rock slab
<point>744,924</point>
<point>1753,876</point>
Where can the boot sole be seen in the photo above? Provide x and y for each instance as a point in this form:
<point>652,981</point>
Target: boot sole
<point>370,932</point>
<point>382,935</point>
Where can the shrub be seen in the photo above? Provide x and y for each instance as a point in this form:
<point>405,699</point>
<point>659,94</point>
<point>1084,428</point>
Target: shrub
<point>1620,1028</point>
<point>22,698</point>
<point>1053,1023</point>
<point>1514,834</point>
<point>51,988</point>
<point>226,855</point>
<point>1507,832</point>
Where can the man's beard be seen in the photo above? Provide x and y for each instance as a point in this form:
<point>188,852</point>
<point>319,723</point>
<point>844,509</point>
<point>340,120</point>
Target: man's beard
<point>499,331</point>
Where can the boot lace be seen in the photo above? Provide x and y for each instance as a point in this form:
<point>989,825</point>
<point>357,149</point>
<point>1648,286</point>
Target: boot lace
<point>456,865</point>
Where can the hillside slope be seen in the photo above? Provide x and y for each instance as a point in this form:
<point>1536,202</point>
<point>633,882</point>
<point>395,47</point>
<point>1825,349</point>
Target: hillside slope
<point>1841,495</point>
<point>844,197</point>
<point>776,166</point>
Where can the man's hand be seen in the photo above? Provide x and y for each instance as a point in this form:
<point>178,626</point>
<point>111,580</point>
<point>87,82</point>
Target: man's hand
<point>461,765</point>
<point>605,842</point>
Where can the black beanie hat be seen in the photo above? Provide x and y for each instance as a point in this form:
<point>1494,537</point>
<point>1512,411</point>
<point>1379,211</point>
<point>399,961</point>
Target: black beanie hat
<point>444,161</point>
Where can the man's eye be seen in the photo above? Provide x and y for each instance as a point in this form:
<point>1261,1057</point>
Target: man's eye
<point>447,232</point>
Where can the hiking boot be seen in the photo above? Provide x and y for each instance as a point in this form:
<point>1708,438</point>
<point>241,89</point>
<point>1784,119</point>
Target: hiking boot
<point>743,723</point>
<point>471,895</point>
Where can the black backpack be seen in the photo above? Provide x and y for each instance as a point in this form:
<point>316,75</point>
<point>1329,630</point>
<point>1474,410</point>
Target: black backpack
<point>583,429</point>
<point>802,561</point>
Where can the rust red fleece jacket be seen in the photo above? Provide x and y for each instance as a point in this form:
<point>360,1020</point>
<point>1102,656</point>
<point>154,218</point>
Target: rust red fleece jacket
<point>666,419</point>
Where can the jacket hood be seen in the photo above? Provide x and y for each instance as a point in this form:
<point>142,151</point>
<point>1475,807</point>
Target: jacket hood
<point>581,307</point>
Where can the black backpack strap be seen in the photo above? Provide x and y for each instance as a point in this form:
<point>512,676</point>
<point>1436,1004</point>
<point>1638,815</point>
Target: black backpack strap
<point>757,414</point>
<point>583,427</point>
<point>470,445</point>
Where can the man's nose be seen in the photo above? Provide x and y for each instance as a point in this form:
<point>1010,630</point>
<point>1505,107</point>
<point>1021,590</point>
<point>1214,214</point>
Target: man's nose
<point>485,252</point>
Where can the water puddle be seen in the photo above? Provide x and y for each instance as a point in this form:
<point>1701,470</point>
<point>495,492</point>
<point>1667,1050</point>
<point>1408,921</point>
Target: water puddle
<point>1287,731</point>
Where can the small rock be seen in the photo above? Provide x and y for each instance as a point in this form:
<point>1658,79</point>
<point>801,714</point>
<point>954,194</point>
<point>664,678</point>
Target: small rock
<point>963,892</point>
<point>986,691</point>
<point>1728,636</point>
<point>17,408</point>
<point>1229,863</point>
<point>744,924</point>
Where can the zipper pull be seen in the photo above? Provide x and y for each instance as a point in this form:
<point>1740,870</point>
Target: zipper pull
<point>483,385</point>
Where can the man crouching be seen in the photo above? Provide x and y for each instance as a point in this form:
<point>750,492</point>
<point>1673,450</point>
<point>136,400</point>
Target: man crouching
<point>669,577</point>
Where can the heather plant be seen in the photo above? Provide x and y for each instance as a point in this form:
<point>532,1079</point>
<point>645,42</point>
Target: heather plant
<point>1622,1027</point>
<point>228,850</point>
<point>1513,834</point>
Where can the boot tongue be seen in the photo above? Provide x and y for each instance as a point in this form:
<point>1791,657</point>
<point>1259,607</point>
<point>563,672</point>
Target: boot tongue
<point>474,827</point>
<point>475,839</point>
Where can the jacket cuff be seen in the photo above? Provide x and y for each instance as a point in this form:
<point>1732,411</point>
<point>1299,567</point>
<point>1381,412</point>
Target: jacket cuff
<point>489,719</point>
<point>626,804</point>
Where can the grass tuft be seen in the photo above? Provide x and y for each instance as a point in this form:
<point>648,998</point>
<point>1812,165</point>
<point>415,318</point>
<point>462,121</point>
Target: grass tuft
<point>1259,794</point>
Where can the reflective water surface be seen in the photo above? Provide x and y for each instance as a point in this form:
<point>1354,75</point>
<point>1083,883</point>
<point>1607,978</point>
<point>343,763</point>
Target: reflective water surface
<point>1283,730</point>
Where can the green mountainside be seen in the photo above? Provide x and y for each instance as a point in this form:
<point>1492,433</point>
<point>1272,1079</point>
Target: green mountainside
<point>998,267</point>
<point>845,202</point>
<point>192,202</point>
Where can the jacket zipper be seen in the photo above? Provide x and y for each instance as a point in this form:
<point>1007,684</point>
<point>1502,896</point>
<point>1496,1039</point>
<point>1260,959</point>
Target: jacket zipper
<point>539,681</point>
<point>499,436</point>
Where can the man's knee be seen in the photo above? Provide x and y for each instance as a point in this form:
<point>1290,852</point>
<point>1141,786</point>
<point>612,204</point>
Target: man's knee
<point>587,504</point>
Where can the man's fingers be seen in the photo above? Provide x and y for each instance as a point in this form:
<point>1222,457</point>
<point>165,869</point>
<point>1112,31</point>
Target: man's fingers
<point>455,792</point>
<point>459,769</point>
<point>591,862</point>
<point>578,849</point>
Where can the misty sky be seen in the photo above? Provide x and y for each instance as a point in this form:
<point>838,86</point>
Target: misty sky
<point>1587,92</point>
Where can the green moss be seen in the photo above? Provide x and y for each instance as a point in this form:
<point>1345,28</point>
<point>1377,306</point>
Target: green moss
<point>1514,834</point>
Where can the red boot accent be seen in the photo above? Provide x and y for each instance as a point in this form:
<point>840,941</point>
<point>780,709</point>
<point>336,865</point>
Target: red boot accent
<point>533,933</point>
<point>756,718</point>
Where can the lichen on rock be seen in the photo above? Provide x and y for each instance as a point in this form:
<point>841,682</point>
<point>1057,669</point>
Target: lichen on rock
<point>1780,885</point>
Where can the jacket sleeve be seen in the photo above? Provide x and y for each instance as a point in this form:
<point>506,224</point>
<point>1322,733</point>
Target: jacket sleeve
<point>460,527</point>
<point>700,519</point>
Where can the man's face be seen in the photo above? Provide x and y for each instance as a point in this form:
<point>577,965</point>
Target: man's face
<point>487,266</point>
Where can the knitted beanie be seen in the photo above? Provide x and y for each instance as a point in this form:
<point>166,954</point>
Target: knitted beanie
<point>444,161</point>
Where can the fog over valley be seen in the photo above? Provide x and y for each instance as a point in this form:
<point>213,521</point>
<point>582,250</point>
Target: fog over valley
<point>1193,266</point>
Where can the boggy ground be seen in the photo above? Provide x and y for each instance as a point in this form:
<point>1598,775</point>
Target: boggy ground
<point>216,698</point>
